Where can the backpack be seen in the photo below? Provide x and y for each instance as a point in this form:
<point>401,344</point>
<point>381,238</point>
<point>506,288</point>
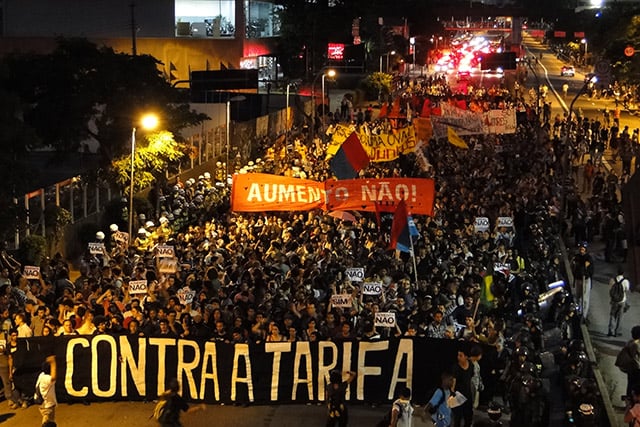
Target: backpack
<point>626,360</point>
<point>433,409</point>
<point>386,420</point>
<point>163,409</point>
<point>616,293</point>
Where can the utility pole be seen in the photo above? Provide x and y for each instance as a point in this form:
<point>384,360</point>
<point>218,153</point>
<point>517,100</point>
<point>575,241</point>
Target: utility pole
<point>133,29</point>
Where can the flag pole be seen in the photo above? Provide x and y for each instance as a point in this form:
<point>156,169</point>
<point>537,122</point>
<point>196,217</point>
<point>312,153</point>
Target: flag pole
<point>415,267</point>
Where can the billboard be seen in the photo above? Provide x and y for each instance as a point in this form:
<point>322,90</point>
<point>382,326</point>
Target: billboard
<point>335,51</point>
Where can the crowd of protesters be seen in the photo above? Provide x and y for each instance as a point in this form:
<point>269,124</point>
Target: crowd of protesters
<point>269,277</point>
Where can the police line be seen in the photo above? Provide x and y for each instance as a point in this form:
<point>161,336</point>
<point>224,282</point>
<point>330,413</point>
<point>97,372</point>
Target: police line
<point>105,367</point>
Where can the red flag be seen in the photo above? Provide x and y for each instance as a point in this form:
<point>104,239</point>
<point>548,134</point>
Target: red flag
<point>426,108</point>
<point>400,226</point>
<point>378,222</point>
<point>395,109</point>
<point>383,111</point>
<point>350,159</point>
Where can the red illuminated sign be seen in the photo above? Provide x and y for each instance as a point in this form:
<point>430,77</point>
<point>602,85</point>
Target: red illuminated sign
<point>335,51</point>
<point>559,34</point>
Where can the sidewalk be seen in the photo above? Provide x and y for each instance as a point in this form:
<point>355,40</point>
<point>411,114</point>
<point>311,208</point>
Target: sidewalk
<point>601,348</point>
<point>604,347</point>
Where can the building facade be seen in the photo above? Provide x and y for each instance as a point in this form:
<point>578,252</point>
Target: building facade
<point>184,35</point>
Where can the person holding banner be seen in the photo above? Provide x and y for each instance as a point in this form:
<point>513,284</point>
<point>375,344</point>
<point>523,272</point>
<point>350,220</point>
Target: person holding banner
<point>335,398</point>
<point>463,373</point>
<point>401,409</point>
<point>174,406</point>
<point>46,390</point>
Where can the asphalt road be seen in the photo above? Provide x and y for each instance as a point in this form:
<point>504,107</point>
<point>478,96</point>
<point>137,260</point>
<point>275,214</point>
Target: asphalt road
<point>548,71</point>
<point>137,414</point>
<point>130,414</point>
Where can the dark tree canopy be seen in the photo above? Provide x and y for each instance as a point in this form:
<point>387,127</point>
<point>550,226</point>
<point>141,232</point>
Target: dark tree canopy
<point>83,92</point>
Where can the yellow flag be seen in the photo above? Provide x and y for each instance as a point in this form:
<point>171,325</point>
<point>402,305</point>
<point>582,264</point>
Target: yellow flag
<point>454,139</point>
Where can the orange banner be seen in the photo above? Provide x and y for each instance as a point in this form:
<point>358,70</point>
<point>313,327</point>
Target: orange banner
<point>260,192</point>
<point>381,195</point>
<point>257,192</point>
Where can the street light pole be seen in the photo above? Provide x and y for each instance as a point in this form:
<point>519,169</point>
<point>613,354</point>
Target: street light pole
<point>412,43</point>
<point>330,73</point>
<point>323,109</point>
<point>393,52</point>
<point>322,74</point>
<point>567,140</point>
<point>228,142</point>
<point>286,130</point>
<point>584,87</point>
<point>148,122</point>
<point>586,45</point>
<point>288,86</point>
<point>133,152</point>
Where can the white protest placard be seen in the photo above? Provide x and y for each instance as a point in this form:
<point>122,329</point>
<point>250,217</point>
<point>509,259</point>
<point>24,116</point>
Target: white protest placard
<point>499,121</point>
<point>342,300</point>
<point>501,267</point>
<point>31,272</point>
<point>165,251</point>
<point>372,288</point>
<point>96,248</point>
<point>167,265</point>
<point>121,236</point>
<point>504,221</point>
<point>385,319</point>
<point>137,287</point>
<point>355,274</point>
<point>481,223</point>
<point>186,295</point>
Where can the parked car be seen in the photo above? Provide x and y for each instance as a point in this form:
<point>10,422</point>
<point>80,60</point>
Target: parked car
<point>567,70</point>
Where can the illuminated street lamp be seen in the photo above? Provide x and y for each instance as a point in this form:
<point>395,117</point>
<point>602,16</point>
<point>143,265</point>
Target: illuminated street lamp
<point>435,40</point>
<point>147,122</point>
<point>586,45</point>
<point>412,43</point>
<point>323,74</point>
<point>393,52</point>
<point>330,73</point>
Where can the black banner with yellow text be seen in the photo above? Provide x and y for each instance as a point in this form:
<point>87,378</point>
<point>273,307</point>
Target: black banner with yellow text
<point>105,367</point>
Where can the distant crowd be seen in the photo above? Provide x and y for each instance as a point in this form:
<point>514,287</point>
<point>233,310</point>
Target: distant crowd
<point>270,277</point>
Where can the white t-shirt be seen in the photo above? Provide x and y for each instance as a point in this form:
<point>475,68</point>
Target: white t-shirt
<point>625,285</point>
<point>24,331</point>
<point>405,412</point>
<point>47,390</point>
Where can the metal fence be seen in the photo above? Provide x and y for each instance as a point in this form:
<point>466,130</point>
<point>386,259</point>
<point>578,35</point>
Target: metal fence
<point>86,200</point>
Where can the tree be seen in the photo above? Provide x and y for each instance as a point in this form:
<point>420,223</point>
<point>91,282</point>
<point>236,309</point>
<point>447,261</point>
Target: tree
<point>56,219</point>
<point>81,92</point>
<point>151,159</point>
<point>377,85</point>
